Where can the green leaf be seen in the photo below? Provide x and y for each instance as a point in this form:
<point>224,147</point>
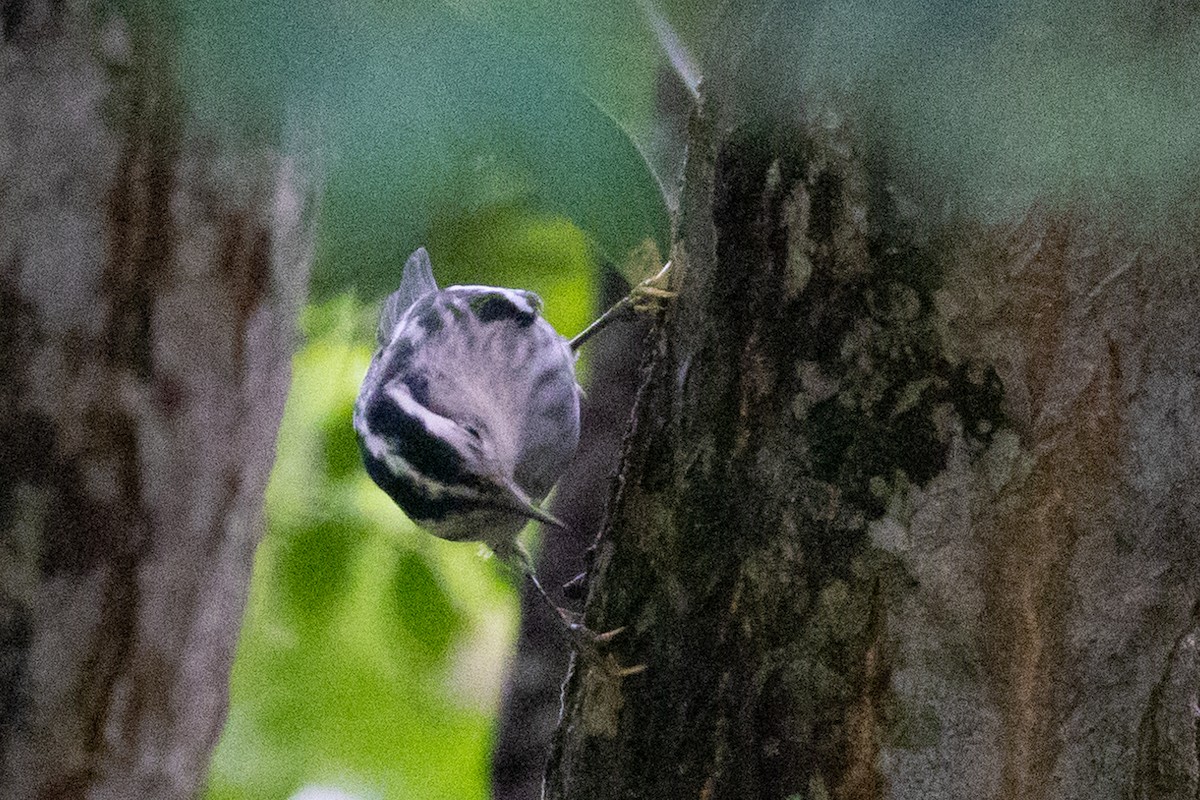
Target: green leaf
<point>313,568</point>
<point>420,609</point>
<point>340,444</point>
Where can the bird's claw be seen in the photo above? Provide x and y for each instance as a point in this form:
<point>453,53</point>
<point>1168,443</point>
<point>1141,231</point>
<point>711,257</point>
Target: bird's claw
<point>579,631</point>
<point>649,296</point>
<point>589,645</point>
<point>652,294</point>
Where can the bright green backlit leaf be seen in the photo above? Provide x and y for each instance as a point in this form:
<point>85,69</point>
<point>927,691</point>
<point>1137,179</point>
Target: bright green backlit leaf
<point>509,246</point>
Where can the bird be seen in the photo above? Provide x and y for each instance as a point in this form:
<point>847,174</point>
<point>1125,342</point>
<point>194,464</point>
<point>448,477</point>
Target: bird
<point>469,411</point>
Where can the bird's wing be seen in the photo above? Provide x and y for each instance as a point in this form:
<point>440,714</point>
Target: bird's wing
<point>416,282</point>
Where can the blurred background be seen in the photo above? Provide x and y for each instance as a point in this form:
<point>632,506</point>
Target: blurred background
<point>373,655</point>
<point>514,140</point>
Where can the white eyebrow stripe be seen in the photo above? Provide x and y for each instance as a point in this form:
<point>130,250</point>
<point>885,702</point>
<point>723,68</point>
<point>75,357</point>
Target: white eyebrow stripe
<point>442,427</point>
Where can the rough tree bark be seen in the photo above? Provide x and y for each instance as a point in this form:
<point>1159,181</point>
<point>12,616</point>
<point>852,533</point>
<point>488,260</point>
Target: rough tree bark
<point>909,505</point>
<point>149,281</point>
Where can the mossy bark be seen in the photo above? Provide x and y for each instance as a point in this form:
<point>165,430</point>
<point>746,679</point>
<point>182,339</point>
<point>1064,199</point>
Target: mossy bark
<point>881,467</point>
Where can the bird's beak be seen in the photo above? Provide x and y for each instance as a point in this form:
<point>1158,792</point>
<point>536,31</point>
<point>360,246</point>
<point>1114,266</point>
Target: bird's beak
<point>519,502</point>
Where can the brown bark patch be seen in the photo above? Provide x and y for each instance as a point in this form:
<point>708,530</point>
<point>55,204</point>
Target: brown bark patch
<point>1071,428</point>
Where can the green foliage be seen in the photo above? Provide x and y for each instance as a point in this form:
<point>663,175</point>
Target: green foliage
<point>422,612</point>
<point>504,246</point>
<point>313,569</point>
<point>424,114</point>
<point>500,135</point>
<point>372,654</point>
<point>339,445</point>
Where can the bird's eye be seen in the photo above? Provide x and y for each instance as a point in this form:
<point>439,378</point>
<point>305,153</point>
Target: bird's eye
<point>473,431</point>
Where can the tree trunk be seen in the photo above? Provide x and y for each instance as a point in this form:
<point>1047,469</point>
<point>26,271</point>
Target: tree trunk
<point>150,282</point>
<point>909,506</point>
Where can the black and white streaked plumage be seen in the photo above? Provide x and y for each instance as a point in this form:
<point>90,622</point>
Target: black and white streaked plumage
<point>469,412</point>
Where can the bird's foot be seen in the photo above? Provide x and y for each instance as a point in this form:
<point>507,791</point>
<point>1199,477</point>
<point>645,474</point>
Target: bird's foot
<point>652,294</point>
<point>649,296</point>
<point>592,647</point>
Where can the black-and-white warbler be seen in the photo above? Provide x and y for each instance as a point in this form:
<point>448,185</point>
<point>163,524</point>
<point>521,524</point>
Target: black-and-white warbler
<point>469,412</point>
